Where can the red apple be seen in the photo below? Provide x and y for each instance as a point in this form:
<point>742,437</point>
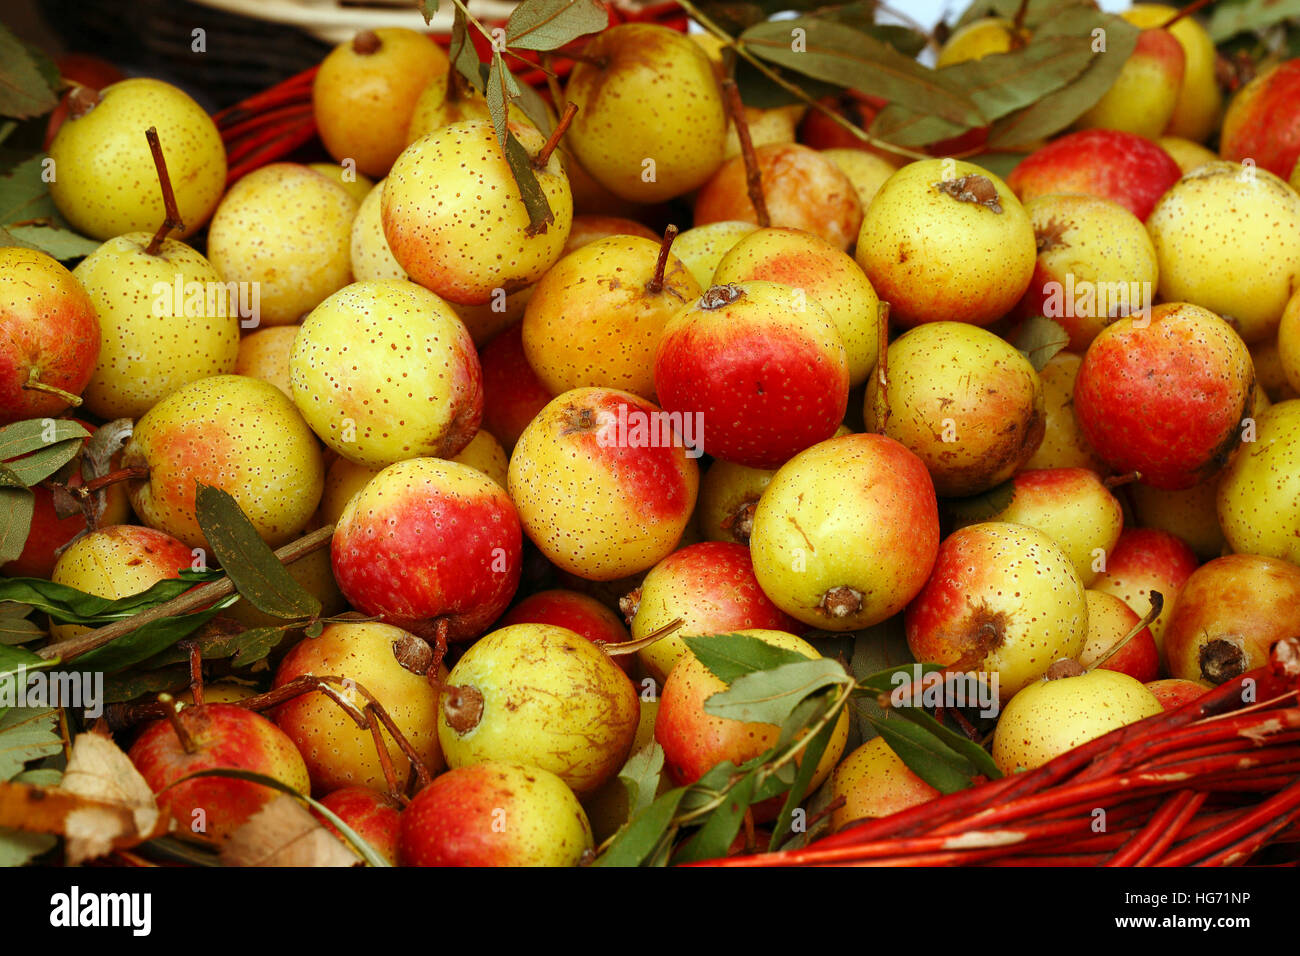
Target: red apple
<point>495,814</point>
<point>1109,619</point>
<point>1166,395</point>
<point>218,735</point>
<point>49,532</point>
<point>1263,122</point>
<point>1124,167</point>
<point>580,613</point>
<point>802,189</point>
<point>711,587</point>
<point>372,815</point>
<point>695,741</point>
<point>49,336</point>
<point>1229,613</point>
<point>428,542</point>
<point>1146,560</point>
<point>1174,692</point>
<point>760,366</point>
<point>512,392</point>
<point>1003,600</point>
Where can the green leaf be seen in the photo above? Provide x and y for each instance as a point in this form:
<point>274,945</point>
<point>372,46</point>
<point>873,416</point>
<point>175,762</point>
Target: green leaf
<point>363,849</point>
<point>530,190</point>
<point>1005,82</point>
<point>1039,339</point>
<point>20,438</point>
<point>429,7</point>
<point>18,848</point>
<point>134,683</point>
<point>245,647</point>
<point>729,656</point>
<point>17,505</point>
<point>999,164</point>
<point>861,16</point>
<point>927,757</point>
<point>25,196</point>
<point>974,754</point>
<point>24,91</point>
<point>462,53</point>
<point>27,734</point>
<point>247,560</point>
<point>70,606</point>
<point>17,628</point>
<point>53,240</point>
<point>1251,16</point>
<point>982,507</point>
<point>550,24</point>
<point>642,839</point>
<point>849,58</point>
<point>712,840</point>
<point>39,465</point>
<point>808,762</point>
<point>769,696</point>
<point>1057,110</point>
<point>640,777</point>
<point>147,640</point>
<point>16,659</point>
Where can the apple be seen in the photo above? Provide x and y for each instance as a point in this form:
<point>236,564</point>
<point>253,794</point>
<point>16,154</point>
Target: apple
<point>373,816</point>
<point>215,736</point>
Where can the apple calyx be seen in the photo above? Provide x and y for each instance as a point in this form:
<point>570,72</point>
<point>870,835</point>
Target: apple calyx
<point>628,604</point>
<point>81,101</point>
<point>578,419</point>
<point>1065,667</point>
<point>366,43</point>
<point>1222,659</point>
<point>741,522</point>
<point>463,707</point>
<point>715,297</point>
<point>413,653</point>
<point>972,188</point>
<point>841,601</point>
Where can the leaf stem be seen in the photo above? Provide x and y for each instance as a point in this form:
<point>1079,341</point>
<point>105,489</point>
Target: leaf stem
<point>656,283</point>
<point>544,154</point>
<point>792,88</point>
<point>196,599</point>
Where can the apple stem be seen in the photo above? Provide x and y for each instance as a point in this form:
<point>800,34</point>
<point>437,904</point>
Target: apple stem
<point>1018,22</point>
<point>1186,11</point>
<point>544,154</point>
<point>631,647</point>
<point>200,597</point>
<point>196,670</point>
<point>1157,604</point>
<point>173,217</point>
<point>882,368</point>
<point>753,176</point>
<point>34,384</point>
<point>1115,481</point>
<point>112,478</point>
<point>366,43</point>
<point>656,284</point>
<point>171,709</point>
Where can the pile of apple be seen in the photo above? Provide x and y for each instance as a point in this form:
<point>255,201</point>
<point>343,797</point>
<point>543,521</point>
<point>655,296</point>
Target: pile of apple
<point>459,393</point>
